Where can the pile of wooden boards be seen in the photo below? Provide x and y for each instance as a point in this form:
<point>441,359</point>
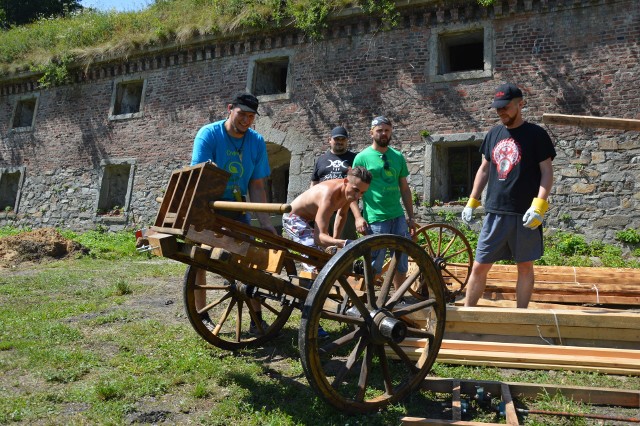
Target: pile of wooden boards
<point>585,319</point>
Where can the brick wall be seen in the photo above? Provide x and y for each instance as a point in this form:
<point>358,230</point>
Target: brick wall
<point>571,57</point>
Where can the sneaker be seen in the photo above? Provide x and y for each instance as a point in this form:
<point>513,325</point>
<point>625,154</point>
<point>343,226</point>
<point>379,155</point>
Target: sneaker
<point>206,320</point>
<point>253,328</point>
<point>322,333</point>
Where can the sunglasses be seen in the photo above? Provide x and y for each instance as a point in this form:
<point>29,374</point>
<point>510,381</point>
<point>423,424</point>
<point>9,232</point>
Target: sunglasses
<point>386,162</point>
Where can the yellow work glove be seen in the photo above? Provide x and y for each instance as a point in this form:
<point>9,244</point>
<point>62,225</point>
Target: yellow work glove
<point>467,213</point>
<point>533,217</point>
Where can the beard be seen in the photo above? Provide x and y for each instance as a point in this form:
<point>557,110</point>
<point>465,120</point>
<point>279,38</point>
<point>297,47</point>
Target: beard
<point>382,141</point>
<point>339,149</point>
<point>237,130</point>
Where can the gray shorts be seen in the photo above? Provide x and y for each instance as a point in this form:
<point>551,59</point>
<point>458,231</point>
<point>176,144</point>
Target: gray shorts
<point>503,237</point>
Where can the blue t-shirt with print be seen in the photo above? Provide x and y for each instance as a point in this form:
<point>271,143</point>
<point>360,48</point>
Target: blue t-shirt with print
<point>245,158</point>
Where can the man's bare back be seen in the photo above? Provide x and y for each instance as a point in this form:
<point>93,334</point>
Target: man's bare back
<point>319,202</point>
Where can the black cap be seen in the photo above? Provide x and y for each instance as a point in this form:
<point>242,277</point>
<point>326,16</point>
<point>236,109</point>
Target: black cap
<point>380,120</point>
<point>504,94</point>
<point>246,102</point>
<point>339,132</point>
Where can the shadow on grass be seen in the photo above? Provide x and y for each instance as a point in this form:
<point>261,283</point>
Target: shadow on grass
<point>288,392</point>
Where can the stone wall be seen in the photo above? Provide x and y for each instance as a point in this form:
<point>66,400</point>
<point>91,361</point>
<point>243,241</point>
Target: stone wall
<point>573,57</point>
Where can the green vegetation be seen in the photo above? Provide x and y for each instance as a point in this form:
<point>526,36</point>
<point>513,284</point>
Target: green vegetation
<point>52,45</point>
<point>99,340</point>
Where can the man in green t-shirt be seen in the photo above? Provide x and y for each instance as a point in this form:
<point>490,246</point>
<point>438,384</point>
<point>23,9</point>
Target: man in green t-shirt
<point>382,209</point>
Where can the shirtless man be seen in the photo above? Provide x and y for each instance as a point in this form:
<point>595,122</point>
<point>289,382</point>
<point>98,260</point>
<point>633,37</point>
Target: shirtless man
<point>308,222</point>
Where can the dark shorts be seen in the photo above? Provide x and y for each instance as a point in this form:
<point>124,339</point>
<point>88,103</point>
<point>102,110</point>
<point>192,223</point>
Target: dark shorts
<point>503,237</point>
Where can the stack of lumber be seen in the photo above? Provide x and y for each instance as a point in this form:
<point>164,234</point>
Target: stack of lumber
<point>569,285</point>
<point>556,332</point>
<point>606,341</point>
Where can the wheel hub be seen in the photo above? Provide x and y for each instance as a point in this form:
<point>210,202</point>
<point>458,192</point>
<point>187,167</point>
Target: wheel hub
<point>386,327</point>
<point>440,262</point>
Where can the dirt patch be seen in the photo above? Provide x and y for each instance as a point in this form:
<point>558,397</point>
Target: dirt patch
<point>37,246</point>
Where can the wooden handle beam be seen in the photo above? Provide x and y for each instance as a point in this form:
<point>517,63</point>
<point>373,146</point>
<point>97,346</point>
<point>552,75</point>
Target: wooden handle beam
<point>241,206</point>
<point>589,121</point>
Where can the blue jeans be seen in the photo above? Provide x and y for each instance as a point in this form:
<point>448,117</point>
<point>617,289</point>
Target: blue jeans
<point>397,226</point>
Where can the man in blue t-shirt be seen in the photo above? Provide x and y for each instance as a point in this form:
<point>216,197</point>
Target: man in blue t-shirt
<point>516,168</point>
<point>234,146</point>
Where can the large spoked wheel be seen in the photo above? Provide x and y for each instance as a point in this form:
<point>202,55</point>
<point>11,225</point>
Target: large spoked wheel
<point>382,341</point>
<point>227,308</point>
<point>451,253</point>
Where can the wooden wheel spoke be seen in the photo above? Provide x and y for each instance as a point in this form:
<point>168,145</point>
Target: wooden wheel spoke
<point>430,250</point>
<point>440,240</point>
<point>419,333</point>
<point>449,244</point>
<point>342,318</point>
<point>462,250</point>
<point>414,307</point>
<point>403,357</point>
<point>269,307</point>
<point>453,276</point>
<point>404,287</point>
<point>239,322</point>
<point>369,281</point>
<point>215,303</point>
<point>388,279</point>
<point>347,366</point>
<point>223,317</point>
<point>340,342</point>
<point>365,369</point>
<point>357,302</point>
<point>384,366</point>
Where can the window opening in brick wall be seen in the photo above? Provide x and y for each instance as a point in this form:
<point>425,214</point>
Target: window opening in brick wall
<point>24,114</point>
<point>10,182</point>
<point>451,163</point>
<point>115,190</point>
<point>128,99</point>
<point>462,52</point>
<point>463,165</point>
<point>270,76</point>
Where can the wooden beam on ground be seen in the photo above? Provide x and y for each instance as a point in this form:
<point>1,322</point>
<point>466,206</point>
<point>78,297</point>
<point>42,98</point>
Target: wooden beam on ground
<point>527,356</point>
<point>590,121</point>
<point>509,407</point>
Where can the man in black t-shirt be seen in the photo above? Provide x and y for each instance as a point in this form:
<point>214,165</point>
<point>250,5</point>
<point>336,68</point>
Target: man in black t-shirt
<point>517,171</point>
<point>334,164</point>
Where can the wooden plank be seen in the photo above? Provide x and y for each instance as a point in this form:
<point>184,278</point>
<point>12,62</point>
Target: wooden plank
<point>427,422</point>
<point>548,332</point>
<point>591,121</point>
<point>267,260</point>
<point>162,244</point>
<point>569,318</point>
<point>456,404</point>
<point>509,408</point>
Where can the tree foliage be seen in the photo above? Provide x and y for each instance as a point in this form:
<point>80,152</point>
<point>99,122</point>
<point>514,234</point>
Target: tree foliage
<point>20,12</point>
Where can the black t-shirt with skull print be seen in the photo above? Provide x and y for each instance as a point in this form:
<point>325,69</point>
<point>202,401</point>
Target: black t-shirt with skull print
<point>332,166</point>
<point>514,176</point>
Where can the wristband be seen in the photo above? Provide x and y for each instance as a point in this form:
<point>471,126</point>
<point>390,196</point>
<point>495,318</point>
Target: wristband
<point>540,205</point>
<point>473,203</point>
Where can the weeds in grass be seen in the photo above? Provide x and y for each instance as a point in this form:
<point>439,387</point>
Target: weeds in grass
<point>122,287</point>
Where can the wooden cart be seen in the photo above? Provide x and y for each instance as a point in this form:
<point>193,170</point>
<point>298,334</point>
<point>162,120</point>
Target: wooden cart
<point>361,366</point>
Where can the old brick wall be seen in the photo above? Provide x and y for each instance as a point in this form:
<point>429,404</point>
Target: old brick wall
<point>578,57</point>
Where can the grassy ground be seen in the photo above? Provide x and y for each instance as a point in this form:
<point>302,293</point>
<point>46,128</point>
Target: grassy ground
<point>103,339</point>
